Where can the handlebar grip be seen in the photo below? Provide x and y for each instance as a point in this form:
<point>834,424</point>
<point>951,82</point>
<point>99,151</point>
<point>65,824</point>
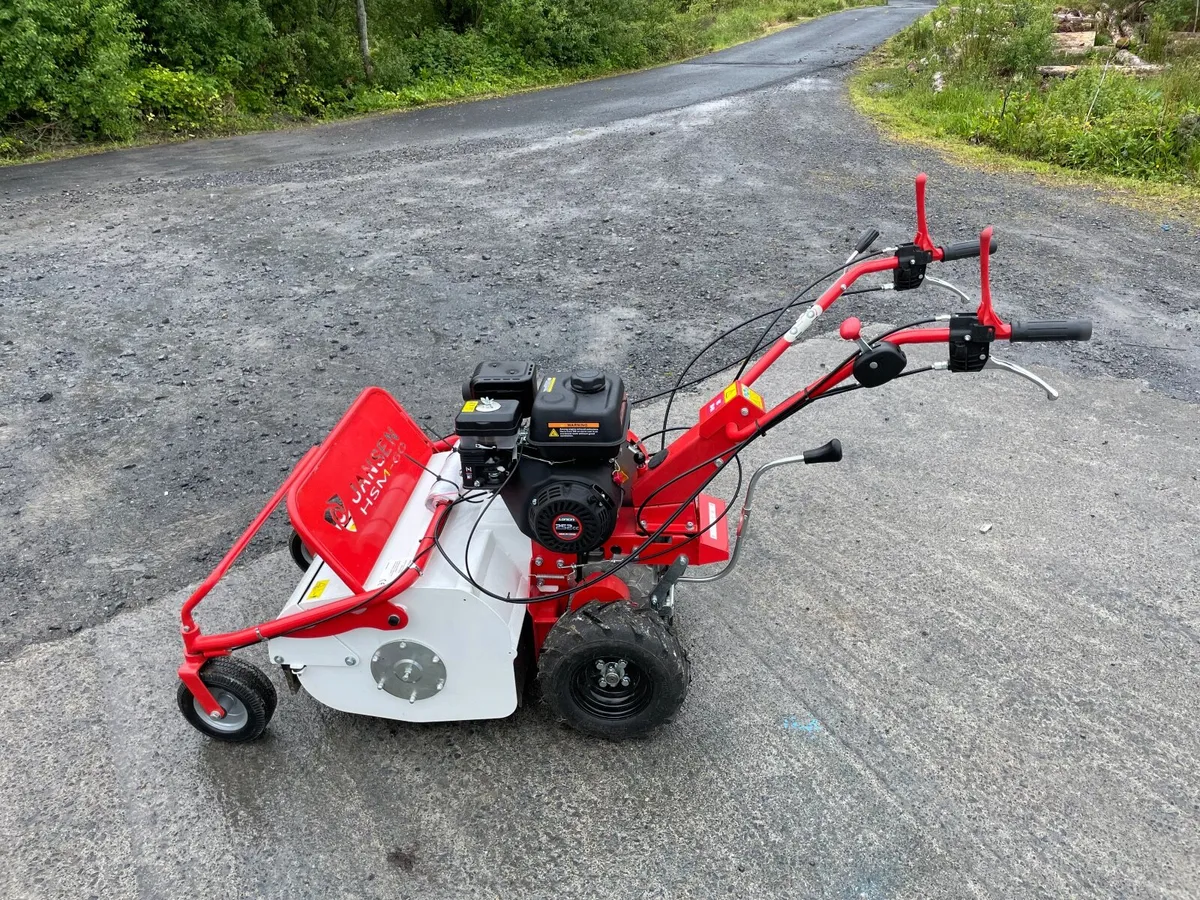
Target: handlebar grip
<point>965,249</point>
<point>1052,330</point>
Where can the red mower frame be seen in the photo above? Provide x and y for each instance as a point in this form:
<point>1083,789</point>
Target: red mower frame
<point>669,517</point>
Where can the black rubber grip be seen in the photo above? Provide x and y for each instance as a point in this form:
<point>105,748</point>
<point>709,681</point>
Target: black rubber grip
<point>965,249</point>
<point>1052,330</point>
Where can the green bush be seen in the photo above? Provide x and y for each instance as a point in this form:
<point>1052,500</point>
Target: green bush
<point>182,101</point>
<point>985,37</point>
<point>104,69</point>
<point>68,62</point>
<point>581,34</point>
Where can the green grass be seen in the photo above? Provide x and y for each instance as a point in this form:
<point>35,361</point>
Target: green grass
<point>967,82</point>
<point>706,26</point>
<point>943,122</point>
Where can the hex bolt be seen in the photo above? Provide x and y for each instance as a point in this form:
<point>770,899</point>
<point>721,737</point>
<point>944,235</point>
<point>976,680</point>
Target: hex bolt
<point>599,664</point>
<point>279,660</point>
<point>375,658</point>
<point>440,685</point>
<point>625,681</point>
<point>691,526</point>
<point>745,411</point>
<point>217,714</point>
<point>435,659</point>
<point>537,561</point>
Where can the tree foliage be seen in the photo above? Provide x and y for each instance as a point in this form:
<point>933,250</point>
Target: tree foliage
<point>112,69</point>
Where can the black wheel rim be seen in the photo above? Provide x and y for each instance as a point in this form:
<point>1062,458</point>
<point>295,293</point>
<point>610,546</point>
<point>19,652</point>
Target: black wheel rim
<point>617,701</point>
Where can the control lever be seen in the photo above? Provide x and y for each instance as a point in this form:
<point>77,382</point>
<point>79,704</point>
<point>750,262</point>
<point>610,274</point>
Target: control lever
<point>865,240</point>
<point>662,598</point>
<point>993,363</point>
<point>851,330</point>
<point>826,453</point>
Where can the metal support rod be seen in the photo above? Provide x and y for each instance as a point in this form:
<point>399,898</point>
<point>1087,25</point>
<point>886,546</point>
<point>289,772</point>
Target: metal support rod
<point>744,521</point>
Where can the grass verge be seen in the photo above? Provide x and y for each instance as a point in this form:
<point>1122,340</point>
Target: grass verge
<point>966,81</point>
<point>897,123</point>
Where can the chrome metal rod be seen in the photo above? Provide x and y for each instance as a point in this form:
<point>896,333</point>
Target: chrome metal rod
<point>929,279</point>
<point>743,522</point>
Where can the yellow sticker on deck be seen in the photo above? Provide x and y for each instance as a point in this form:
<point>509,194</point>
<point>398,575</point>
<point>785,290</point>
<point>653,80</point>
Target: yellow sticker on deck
<point>731,392</point>
<point>549,386</point>
<point>470,405</point>
<point>318,589</point>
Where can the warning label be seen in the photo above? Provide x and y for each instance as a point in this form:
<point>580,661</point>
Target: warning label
<point>574,429</point>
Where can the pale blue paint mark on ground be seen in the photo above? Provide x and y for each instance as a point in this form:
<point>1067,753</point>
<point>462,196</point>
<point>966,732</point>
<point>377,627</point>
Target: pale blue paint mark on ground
<point>810,726</point>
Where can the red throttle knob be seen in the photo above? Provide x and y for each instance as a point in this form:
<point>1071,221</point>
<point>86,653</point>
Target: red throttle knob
<point>851,329</point>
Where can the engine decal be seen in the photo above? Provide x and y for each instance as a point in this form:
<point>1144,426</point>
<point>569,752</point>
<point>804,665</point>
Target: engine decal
<point>567,527</point>
<point>573,429</point>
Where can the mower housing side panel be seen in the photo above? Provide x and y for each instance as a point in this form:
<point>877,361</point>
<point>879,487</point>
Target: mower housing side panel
<point>474,636</point>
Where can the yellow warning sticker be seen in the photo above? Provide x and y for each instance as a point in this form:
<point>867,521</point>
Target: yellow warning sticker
<point>549,385</point>
<point>753,396</point>
<point>470,405</point>
<point>574,429</point>
<point>731,392</point>
<point>318,589</point>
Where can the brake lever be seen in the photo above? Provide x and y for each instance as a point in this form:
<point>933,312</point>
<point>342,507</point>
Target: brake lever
<point>1003,365</point>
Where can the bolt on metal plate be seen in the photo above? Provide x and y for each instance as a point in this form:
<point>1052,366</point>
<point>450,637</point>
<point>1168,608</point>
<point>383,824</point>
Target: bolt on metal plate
<point>408,670</point>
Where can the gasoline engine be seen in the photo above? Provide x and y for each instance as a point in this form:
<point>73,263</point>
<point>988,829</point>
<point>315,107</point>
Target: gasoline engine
<point>555,447</point>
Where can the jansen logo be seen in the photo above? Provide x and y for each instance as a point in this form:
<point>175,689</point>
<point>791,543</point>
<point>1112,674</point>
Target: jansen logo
<point>337,515</point>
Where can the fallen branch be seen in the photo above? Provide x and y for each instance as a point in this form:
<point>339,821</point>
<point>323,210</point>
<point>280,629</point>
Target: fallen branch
<point>1068,71</point>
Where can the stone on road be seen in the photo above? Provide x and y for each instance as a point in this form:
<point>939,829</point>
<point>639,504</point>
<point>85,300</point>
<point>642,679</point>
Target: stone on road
<point>888,699</point>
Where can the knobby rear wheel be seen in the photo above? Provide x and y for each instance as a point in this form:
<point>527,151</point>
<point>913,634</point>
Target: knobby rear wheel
<point>615,670</point>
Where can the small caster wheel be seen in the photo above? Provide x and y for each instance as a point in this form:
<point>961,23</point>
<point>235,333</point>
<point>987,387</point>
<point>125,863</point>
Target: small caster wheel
<point>301,555</point>
<point>614,670</point>
<point>244,692</point>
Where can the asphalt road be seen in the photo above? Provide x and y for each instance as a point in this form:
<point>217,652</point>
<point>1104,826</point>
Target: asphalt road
<point>888,701</point>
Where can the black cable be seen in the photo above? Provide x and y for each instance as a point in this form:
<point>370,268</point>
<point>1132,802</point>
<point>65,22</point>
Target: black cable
<point>482,513</point>
<point>381,590</point>
<point>858,257</point>
<point>627,561</point>
<point>737,489</point>
<point>779,311</point>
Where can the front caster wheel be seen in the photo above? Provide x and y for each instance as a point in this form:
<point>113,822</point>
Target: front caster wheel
<point>244,692</point>
<point>614,670</point>
<point>301,555</point>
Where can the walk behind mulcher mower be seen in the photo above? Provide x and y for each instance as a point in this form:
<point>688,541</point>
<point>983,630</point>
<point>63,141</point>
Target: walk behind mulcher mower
<point>435,571</point>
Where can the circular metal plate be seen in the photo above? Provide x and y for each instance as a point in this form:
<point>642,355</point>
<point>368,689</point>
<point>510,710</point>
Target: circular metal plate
<point>408,670</point>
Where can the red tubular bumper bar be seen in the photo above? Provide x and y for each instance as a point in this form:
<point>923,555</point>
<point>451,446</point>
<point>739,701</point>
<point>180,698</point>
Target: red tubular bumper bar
<point>199,647</point>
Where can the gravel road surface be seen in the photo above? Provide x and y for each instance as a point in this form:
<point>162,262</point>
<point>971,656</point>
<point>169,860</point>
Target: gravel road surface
<point>889,702</point>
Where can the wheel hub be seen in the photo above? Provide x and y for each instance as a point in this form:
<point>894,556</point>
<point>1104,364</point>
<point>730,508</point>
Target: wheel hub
<point>236,715</point>
<point>612,673</point>
<point>611,688</point>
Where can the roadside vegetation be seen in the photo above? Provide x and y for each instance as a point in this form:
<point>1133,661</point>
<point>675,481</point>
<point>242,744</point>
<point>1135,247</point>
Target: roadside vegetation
<point>1109,90</point>
<point>87,72</point>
